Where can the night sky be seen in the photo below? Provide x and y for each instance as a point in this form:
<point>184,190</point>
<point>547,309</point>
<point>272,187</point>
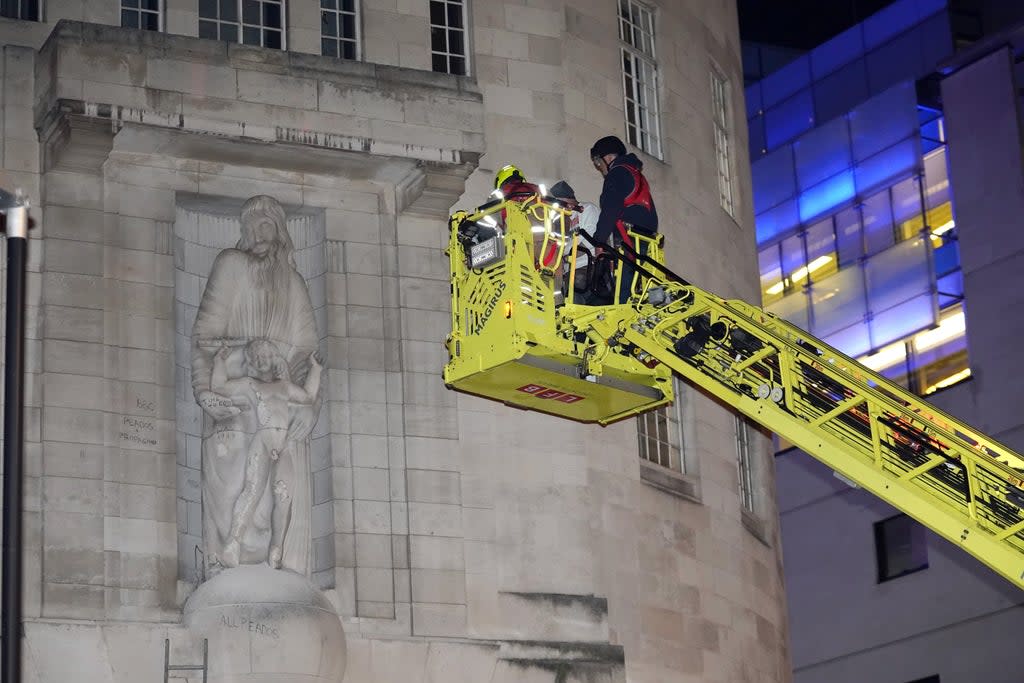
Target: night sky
<point>802,24</point>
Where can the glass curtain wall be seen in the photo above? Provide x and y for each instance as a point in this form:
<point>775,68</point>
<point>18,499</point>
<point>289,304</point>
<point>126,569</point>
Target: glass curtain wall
<point>855,224</point>
<point>902,42</point>
<point>879,279</point>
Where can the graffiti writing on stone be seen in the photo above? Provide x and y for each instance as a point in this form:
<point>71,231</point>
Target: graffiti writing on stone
<point>137,431</point>
<point>249,625</point>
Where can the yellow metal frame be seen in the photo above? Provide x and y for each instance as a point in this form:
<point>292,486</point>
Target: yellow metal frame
<point>963,485</point>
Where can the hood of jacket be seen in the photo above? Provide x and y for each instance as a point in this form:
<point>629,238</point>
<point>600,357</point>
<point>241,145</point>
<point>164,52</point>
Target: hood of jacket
<point>627,160</point>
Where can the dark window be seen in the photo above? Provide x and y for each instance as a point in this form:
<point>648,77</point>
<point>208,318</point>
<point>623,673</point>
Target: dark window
<point>20,9</point>
<point>660,435</point>
<point>745,463</point>
<point>338,33</point>
<point>721,100</point>
<point>901,547</point>
<point>142,14</point>
<point>251,22</point>
<point>448,36</point>
<point>928,679</point>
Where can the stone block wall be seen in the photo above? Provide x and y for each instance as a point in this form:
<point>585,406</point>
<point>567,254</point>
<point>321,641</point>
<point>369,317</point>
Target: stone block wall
<point>122,248</point>
<point>690,581</point>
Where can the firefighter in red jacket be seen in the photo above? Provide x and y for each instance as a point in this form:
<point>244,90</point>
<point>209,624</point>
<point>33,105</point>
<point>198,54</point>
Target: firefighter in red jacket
<point>626,202</point>
<point>511,182</point>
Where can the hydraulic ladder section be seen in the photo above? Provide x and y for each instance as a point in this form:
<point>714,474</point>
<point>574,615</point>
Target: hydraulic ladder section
<point>956,481</point>
<point>951,478</point>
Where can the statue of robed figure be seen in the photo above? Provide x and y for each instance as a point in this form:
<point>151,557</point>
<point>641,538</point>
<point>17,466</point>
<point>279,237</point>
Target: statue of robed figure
<point>256,377</point>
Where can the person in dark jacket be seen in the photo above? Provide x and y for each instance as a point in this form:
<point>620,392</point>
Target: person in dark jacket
<point>626,201</point>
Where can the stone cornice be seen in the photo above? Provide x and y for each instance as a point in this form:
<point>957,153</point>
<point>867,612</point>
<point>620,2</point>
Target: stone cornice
<point>118,115</point>
<point>236,91</point>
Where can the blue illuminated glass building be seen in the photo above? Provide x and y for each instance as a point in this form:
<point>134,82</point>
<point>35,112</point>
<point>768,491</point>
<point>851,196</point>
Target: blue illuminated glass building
<point>855,224</point>
<point>888,169</point>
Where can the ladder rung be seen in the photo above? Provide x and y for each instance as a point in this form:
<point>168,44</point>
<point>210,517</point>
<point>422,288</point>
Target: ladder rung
<point>168,667</point>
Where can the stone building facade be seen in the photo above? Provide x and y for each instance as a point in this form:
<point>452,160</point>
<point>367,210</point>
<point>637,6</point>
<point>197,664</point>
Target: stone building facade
<point>458,540</point>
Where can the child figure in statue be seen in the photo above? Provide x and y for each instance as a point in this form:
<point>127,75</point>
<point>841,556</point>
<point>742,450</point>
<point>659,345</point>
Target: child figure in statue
<point>268,393</point>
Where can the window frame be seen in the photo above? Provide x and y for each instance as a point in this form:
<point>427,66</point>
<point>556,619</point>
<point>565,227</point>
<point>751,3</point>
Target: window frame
<point>638,56</point>
<point>673,416</point>
<point>21,11</point>
<point>809,268</point>
<point>159,12</point>
<point>241,24</point>
<point>447,28</point>
<point>339,40</point>
<point>745,465</point>
<point>722,116</point>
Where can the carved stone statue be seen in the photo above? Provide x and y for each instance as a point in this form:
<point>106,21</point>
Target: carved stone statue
<point>257,379</point>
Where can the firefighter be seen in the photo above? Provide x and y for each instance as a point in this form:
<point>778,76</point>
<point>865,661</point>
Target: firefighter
<point>512,185</point>
<point>626,202</point>
<point>511,182</point>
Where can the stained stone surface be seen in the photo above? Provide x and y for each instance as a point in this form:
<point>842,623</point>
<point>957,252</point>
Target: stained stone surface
<point>267,625</point>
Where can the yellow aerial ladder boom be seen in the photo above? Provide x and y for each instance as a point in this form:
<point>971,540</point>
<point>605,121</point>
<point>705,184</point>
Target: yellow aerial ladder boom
<point>518,338</point>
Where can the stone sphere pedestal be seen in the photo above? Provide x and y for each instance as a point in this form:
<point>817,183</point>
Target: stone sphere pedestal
<point>267,626</point>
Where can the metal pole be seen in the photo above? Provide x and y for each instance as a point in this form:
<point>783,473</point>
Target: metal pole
<point>15,210</point>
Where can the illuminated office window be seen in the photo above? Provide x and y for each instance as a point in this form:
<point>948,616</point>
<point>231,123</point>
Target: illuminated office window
<point>809,256</point>
<point>448,36</point>
<point>339,22</point>
<point>27,10</point>
<point>250,22</point>
<point>640,76</point>
<point>930,360</point>
<point>938,207</point>
<point>772,284</point>
<point>142,14</point>
<point>660,435</point>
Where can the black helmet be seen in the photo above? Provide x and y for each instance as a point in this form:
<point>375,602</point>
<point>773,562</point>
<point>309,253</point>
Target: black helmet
<point>562,190</point>
<point>607,145</point>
